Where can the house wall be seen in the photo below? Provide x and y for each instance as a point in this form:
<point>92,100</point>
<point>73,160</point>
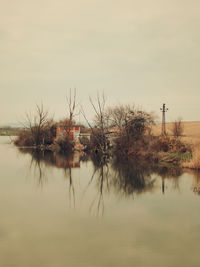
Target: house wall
<point>73,132</point>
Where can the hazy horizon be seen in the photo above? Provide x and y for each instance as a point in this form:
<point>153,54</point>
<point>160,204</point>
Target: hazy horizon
<point>142,52</point>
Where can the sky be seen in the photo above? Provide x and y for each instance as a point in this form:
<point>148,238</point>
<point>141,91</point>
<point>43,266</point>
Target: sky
<point>144,52</point>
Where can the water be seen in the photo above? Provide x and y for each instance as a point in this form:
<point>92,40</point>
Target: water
<point>57,211</point>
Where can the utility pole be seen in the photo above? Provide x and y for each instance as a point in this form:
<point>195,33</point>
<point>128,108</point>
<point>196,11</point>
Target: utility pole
<point>164,110</point>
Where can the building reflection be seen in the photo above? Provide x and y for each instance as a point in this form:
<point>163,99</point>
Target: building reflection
<point>72,161</point>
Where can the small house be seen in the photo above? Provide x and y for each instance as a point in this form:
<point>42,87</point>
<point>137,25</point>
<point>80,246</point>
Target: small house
<point>73,131</point>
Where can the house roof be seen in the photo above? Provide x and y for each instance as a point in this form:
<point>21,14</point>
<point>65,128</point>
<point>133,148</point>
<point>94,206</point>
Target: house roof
<point>63,125</point>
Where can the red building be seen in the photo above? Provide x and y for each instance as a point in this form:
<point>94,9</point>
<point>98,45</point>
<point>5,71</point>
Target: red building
<point>73,131</point>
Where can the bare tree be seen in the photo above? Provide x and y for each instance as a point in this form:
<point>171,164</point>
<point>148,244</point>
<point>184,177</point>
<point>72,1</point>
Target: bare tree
<point>129,121</point>
<point>98,138</point>
<point>71,109</point>
<point>99,134</point>
<point>132,127</point>
<point>177,127</point>
<point>118,116</point>
<point>72,105</point>
<point>37,123</point>
<point>99,109</point>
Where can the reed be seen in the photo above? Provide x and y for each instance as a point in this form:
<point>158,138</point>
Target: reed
<point>194,162</point>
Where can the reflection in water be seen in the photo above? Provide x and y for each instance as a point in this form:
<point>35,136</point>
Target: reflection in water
<point>37,166</point>
<point>132,177</point>
<point>41,160</point>
<point>139,226</point>
<point>72,161</point>
<point>167,172</point>
<point>125,178</point>
<point>49,158</point>
<point>101,173</point>
<point>196,181</point>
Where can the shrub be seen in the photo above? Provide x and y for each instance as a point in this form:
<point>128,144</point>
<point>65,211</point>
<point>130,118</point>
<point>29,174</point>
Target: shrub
<point>86,143</point>
<point>194,163</point>
<point>27,137</point>
<point>65,144</point>
<point>48,134</point>
<point>177,128</point>
<point>134,134</point>
<point>167,144</point>
<point>99,141</point>
<point>24,139</point>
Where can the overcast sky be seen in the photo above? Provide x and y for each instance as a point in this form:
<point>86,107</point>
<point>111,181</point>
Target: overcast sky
<point>145,52</point>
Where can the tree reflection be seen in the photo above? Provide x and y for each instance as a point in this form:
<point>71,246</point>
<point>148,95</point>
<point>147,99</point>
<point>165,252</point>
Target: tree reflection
<point>168,172</point>
<point>36,165</point>
<point>38,168</point>
<point>196,181</point>
<point>132,177</point>
<point>101,173</point>
<point>68,176</point>
<point>124,178</point>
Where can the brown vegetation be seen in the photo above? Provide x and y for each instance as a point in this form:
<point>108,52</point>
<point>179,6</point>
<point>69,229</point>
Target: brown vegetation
<point>177,127</point>
<point>133,135</point>
<point>64,144</point>
<point>194,162</point>
<point>24,139</point>
<point>122,130</point>
<point>169,144</point>
<point>39,129</point>
<point>191,131</point>
<point>98,141</point>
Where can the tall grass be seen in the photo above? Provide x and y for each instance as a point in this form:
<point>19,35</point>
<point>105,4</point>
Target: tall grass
<point>194,162</point>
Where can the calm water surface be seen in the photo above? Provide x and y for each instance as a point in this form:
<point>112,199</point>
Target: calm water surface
<point>57,212</point>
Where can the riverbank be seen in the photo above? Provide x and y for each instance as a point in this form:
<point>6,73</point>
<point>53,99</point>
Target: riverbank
<point>148,146</point>
<point>160,157</point>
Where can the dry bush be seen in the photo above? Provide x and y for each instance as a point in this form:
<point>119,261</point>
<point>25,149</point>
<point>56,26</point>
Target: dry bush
<point>86,143</point>
<point>39,129</point>
<point>160,144</point>
<point>37,124</point>
<point>48,134</point>
<point>24,139</point>
<point>177,128</point>
<point>194,163</point>
<point>134,148</point>
<point>65,144</point>
<point>27,137</point>
<point>134,131</point>
<point>167,144</point>
<point>98,141</point>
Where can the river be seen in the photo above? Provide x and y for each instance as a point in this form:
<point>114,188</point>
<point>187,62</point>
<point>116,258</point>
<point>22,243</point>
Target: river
<point>59,211</point>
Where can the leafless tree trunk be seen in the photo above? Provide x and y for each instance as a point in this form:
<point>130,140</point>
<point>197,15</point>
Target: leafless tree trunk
<point>37,123</point>
<point>72,107</point>
<point>98,133</point>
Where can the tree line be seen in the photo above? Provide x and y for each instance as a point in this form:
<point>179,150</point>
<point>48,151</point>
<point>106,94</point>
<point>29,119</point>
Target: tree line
<point>121,130</point>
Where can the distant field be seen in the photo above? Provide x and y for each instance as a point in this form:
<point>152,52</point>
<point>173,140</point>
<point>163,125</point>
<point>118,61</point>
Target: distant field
<point>191,133</point>
<point>9,131</point>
